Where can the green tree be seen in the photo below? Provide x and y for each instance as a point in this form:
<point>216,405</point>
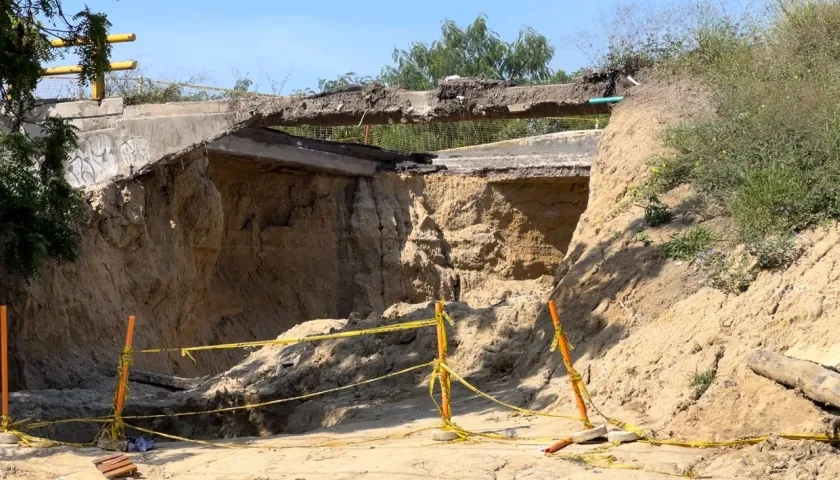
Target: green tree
<point>39,211</point>
<point>349,79</point>
<point>474,51</point>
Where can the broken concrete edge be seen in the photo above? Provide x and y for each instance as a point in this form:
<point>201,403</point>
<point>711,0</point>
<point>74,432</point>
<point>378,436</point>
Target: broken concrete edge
<point>128,137</point>
<point>457,100</point>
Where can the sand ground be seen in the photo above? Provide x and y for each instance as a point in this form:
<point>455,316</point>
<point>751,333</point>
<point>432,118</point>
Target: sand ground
<point>394,441</point>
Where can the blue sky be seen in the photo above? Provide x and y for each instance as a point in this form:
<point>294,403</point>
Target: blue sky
<point>301,41</point>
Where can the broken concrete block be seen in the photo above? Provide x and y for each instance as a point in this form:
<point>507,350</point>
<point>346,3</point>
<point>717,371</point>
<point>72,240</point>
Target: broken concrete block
<point>591,434</point>
<point>621,436</point>
<point>443,436</point>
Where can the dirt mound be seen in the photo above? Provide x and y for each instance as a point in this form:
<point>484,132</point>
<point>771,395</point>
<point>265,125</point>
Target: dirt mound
<point>644,325</point>
<point>484,345</point>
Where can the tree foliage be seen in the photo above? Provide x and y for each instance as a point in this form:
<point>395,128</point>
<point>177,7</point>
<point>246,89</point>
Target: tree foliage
<point>39,210</point>
<point>472,51</point>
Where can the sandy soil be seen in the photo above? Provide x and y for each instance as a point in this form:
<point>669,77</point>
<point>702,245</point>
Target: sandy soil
<point>394,441</point>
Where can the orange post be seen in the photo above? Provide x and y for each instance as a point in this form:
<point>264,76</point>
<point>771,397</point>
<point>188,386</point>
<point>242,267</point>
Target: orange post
<point>567,359</point>
<point>367,134</point>
<point>4,360</point>
<point>445,397</point>
<point>129,338</point>
<point>559,445</point>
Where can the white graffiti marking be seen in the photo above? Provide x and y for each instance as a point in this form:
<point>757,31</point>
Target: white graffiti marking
<point>100,156</point>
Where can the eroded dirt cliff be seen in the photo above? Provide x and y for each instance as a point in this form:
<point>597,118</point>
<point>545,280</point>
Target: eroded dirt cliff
<point>214,250</point>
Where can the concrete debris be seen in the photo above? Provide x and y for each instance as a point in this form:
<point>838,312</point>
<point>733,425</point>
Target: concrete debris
<point>621,436</point>
<point>590,434</point>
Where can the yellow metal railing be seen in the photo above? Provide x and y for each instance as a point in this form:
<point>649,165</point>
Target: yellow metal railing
<point>98,87</point>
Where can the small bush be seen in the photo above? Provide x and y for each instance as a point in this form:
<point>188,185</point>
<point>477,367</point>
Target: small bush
<point>774,252</point>
<point>656,212</point>
<point>730,273</point>
<point>701,381</point>
<point>667,172</point>
<point>771,155</point>
<point>644,238</point>
<point>689,244</point>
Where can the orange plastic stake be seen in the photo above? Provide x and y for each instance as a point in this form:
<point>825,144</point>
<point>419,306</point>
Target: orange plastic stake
<point>129,337</point>
<point>559,445</point>
<point>445,397</point>
<point>4,360</point>
<point>367,134</point>
<point>567,359</point>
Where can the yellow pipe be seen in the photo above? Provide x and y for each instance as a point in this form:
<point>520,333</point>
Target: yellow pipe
<point>119,38</point>
<point>115,66</point>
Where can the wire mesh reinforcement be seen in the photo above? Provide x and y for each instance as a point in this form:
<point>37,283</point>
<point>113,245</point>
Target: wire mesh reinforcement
<point>61,88</point>
<point>430,137</point>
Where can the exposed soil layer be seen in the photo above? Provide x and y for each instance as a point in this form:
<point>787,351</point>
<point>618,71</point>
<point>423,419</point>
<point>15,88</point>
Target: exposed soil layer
<point>215,250</point>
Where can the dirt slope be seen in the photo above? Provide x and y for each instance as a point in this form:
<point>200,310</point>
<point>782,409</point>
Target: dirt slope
<point>644,325</point>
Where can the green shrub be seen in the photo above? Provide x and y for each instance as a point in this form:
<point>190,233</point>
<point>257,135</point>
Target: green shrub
<point>770,157</point>
<point>656,212</point>
<point>774,252</point>
<point>688,244</point>
<point>701,381</point>
<point>730,273</point>
<point>667,172</point>
<point>644,238</point>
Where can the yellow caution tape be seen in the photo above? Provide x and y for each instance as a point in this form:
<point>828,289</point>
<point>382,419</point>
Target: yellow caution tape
<point>412,325</point>
<point>558,334</point>
<point>504,404</point>
<point>282,400</point>
<point>32,426</point>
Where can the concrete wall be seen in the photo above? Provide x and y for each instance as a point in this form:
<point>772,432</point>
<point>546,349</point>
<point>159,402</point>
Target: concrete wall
<point>563,154</point>
<point>117,140</point>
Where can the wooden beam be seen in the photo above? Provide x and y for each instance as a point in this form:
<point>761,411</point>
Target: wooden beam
<point>815,381</point>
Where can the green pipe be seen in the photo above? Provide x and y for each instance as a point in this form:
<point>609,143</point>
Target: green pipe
<point>599,101</point>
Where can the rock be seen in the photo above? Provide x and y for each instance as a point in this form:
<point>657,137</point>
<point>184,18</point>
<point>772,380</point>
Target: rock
<point>621,436</point>
<point>591,434</point>
<point>8,439</point>
<point>444,436</point>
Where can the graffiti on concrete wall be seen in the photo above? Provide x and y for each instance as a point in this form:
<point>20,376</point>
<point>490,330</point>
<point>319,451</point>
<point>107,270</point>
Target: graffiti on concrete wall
<point>101,156</point>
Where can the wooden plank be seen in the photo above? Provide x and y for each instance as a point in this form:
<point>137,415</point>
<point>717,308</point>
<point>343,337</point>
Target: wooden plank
<point>114,466</point>
<point>815,381</point>
<point>116,459</point>
<point>106,458</point>
<point>121,472</point>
